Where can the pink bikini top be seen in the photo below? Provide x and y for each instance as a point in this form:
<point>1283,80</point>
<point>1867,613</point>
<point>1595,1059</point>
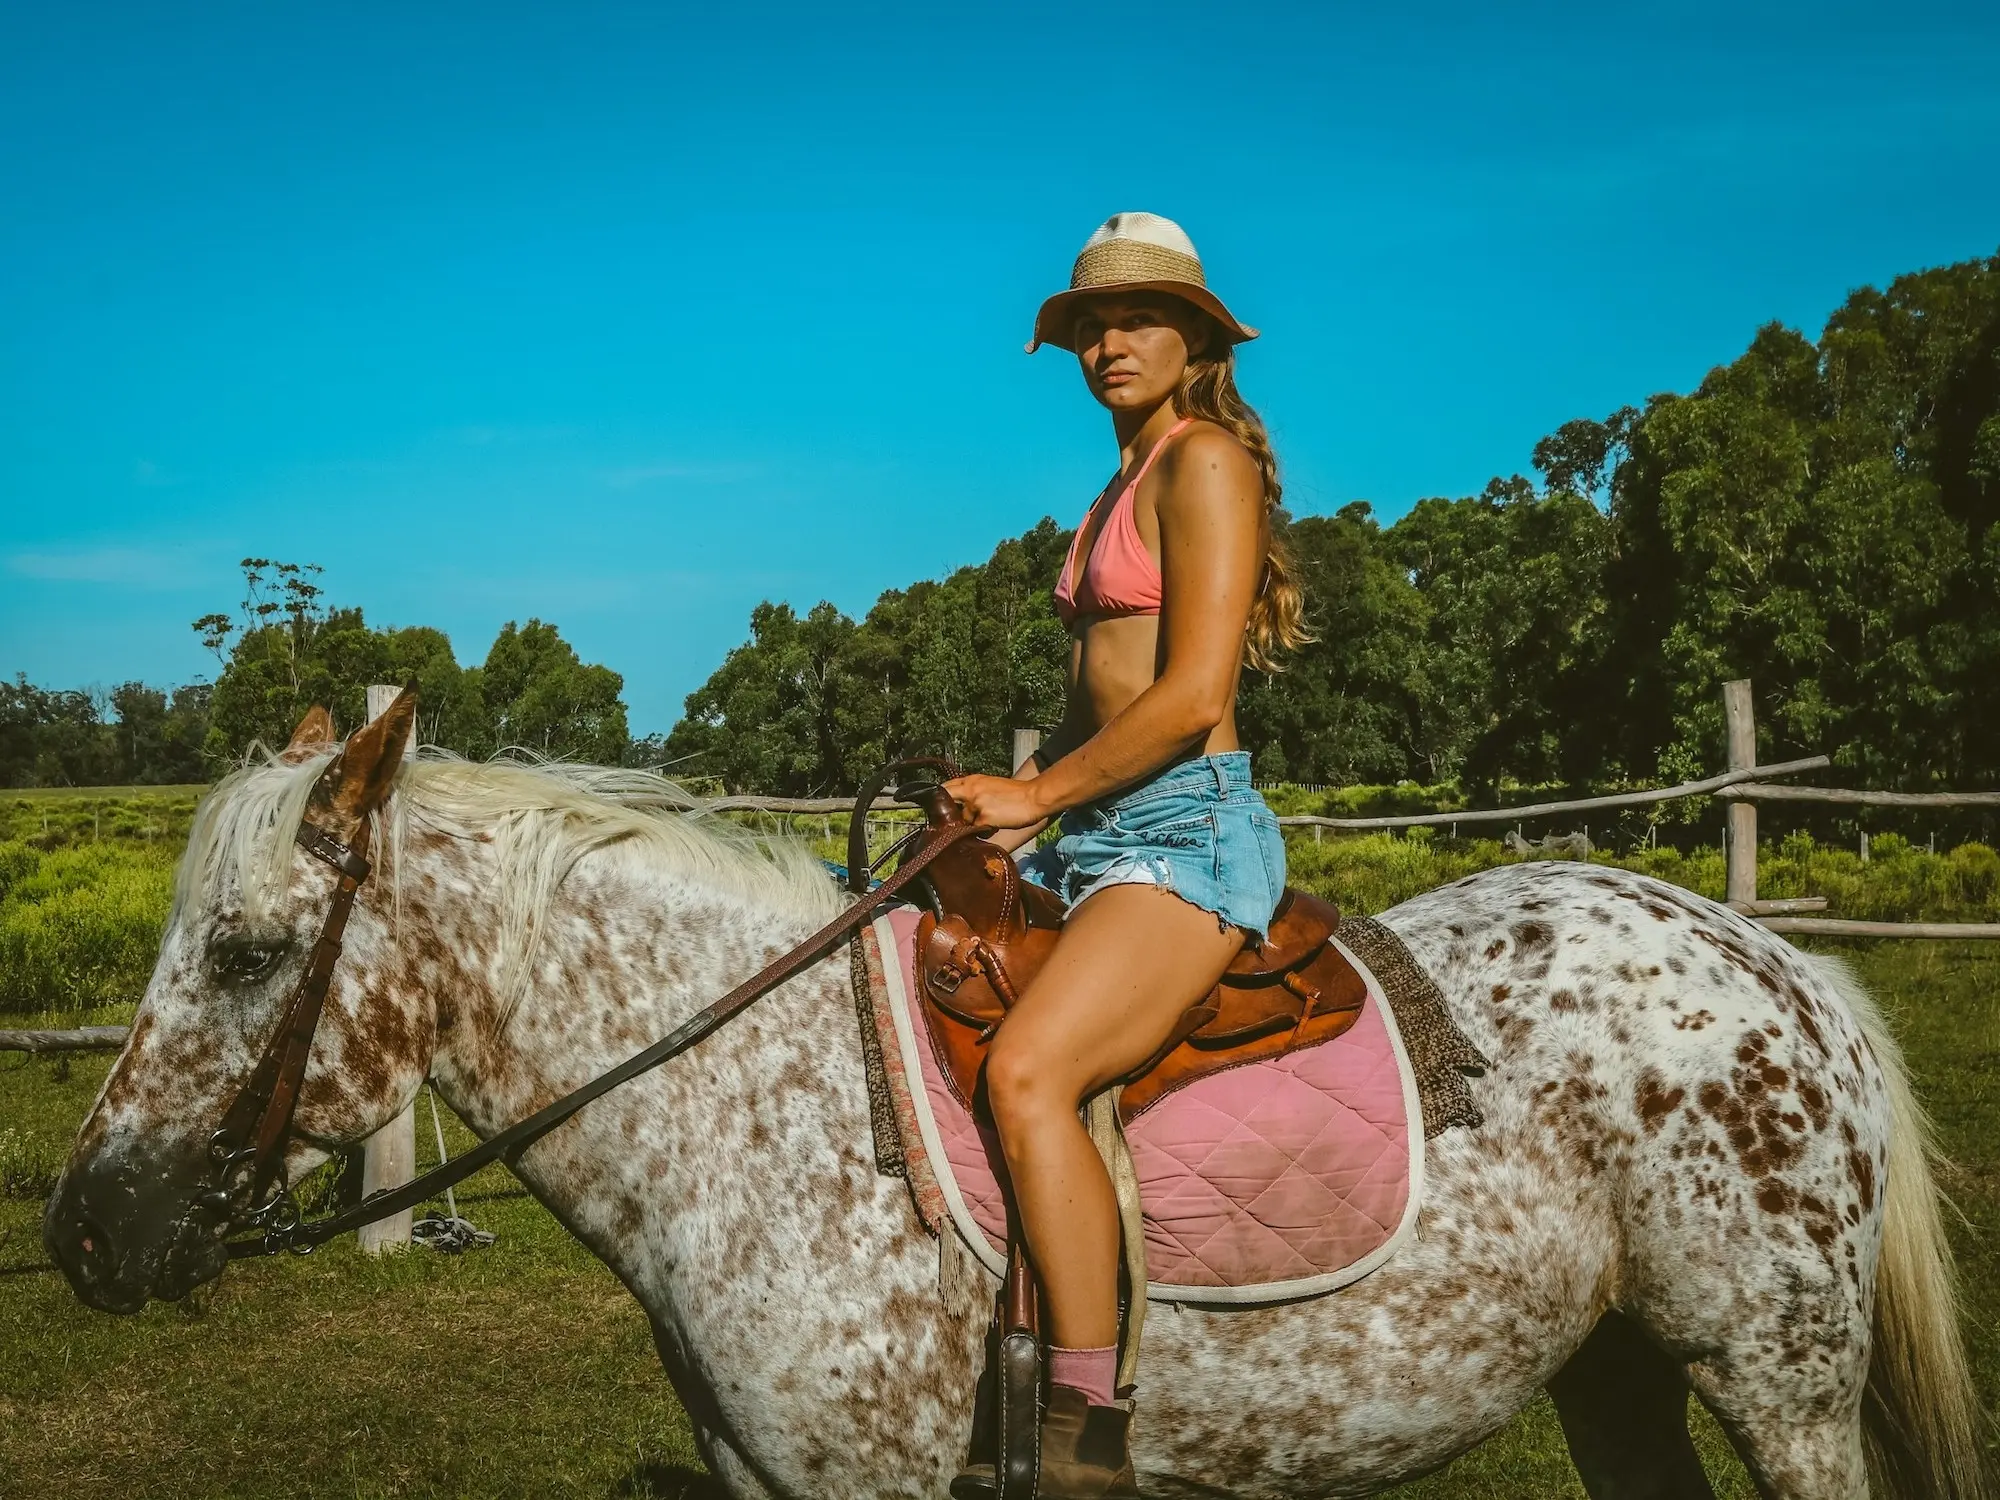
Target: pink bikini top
<point>1120,577</point>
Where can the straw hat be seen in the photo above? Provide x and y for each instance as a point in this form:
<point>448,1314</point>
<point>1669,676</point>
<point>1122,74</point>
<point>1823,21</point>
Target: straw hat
<point>1133,253</point>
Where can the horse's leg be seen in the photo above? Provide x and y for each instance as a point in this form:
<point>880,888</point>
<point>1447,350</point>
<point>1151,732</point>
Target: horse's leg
<point>1623,1404</point>
<point>1794,1448</point>
<point>728,1477</point>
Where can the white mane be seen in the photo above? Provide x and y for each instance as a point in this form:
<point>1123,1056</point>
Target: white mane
<point>543,816</point>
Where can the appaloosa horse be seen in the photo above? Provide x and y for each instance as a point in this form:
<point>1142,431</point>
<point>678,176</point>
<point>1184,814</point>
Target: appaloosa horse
<point>1701,1165</point>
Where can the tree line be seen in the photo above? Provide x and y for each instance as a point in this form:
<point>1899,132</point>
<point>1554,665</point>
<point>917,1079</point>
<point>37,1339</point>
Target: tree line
<point>1821,517</point>
<point>1818,517</point>
<point>285,649</point>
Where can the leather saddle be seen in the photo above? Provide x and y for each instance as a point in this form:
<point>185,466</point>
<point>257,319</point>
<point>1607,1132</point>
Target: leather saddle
<point>988,932</point>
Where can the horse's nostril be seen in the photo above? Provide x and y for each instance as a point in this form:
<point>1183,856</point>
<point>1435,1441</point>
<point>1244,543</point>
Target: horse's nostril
<point>92,1242</point>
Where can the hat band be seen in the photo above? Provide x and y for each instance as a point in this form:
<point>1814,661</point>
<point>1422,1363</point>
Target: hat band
<point>1115,262</point>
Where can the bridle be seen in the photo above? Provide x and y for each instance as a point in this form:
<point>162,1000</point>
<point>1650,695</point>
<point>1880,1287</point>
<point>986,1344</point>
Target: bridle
<point>248,1151</point>
<point>248,1191</point>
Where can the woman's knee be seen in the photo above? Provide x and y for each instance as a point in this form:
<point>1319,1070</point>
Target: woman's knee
<point>1022,1080</point>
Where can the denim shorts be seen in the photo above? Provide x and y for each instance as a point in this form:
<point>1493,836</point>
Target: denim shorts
<point>1198,829</point>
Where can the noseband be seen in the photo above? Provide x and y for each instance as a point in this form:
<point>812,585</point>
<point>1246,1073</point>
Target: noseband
<point>248,1189</point>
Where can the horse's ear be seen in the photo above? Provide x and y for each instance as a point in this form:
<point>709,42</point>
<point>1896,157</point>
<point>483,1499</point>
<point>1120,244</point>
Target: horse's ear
<point>359,779</point>
<point>315,733</point>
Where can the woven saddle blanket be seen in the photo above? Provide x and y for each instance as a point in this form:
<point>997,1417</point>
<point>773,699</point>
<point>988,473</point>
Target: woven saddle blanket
<point>1283,1178</point>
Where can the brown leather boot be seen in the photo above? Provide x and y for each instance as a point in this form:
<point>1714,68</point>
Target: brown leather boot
<point>1084,1455</point>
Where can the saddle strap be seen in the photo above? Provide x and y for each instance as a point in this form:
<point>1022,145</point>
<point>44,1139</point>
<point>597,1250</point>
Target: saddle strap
<point>1018,1469</point>
<point>1107,1134</point>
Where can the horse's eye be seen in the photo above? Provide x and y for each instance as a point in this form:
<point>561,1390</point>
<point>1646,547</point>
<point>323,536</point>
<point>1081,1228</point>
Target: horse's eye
<point>243,961</point>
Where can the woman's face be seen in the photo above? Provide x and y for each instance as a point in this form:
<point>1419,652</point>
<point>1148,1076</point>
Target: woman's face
<point>1135,348</point>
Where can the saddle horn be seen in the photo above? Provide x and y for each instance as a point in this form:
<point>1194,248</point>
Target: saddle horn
<point>938,808</point>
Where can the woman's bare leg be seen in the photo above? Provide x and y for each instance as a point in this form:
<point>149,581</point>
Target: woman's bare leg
<point>1130,961</point>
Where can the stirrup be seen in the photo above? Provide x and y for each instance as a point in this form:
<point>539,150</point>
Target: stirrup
<point>1016,1429</point>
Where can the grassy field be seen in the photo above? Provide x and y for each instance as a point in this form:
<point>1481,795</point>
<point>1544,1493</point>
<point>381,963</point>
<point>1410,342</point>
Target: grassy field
<point>525,1369</point>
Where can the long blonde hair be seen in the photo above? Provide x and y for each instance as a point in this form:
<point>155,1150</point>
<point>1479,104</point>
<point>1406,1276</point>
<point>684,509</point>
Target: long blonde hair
<point>1278,616</point>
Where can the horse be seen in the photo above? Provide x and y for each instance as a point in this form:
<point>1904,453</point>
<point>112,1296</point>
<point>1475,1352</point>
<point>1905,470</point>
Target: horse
<point>1701,1166</point>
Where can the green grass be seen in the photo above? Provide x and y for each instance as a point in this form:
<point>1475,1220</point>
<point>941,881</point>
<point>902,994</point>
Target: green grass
<point>524,1369</point>
<point>1901,883</point>
<point>51,818</point>
<point>80,927</point>
<point>86,877</point>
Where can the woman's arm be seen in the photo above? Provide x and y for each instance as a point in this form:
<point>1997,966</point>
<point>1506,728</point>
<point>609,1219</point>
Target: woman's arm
<point>1051,750</point>
<point>1211,514</point>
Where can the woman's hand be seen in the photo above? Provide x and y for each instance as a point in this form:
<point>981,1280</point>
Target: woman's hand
<point>997,801</point>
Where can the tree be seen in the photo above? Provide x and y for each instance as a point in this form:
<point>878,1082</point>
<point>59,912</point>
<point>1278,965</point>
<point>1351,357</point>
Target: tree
<point>292,650</point>
<point>540,695</point>
<point>810,706</point>
<point>283,598</point>
<point>1813,517</point>
<point>451,703</point>
<point>160,735</point>
<point>767,717</point>
<point>1513,584</point>
<point>1349,705</point>
<point>1579,457</point>
<point>53,738</point>
<point>134,734</point>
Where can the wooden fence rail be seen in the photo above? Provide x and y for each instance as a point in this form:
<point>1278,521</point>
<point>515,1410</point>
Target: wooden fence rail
<point>1743,784</point>
<point>1712,784</point>
<point>1741,846</point>
<point>1840,927</point>
<point>1580,804</point>
<point>1754,792</point>
<point>82,1039</point>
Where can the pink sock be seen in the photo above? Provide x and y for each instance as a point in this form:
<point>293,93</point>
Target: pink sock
<point>1092,1371</point>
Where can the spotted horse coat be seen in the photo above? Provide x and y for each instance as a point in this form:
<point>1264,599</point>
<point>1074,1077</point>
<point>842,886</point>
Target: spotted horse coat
<point>1695,1140</point>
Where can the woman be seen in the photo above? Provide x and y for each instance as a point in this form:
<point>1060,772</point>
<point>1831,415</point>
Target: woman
<point>1169,856</point>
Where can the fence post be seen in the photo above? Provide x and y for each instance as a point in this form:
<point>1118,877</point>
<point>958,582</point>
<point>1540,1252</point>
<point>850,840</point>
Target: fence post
<point>1741,719</point>
<point>1026,743</point>
<point>389,1157</point>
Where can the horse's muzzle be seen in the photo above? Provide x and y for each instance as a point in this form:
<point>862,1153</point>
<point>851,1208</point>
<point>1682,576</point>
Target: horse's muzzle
<point>123,1233</point>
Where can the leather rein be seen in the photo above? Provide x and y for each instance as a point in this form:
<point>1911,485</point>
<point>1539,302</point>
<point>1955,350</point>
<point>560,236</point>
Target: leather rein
<point>248,1150</point>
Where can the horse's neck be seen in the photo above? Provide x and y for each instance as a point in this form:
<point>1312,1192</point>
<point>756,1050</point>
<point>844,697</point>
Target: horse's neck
<point>626,952</point>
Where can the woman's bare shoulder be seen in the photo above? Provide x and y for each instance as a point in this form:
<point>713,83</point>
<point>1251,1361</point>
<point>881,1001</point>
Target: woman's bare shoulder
<point>1208,460</point>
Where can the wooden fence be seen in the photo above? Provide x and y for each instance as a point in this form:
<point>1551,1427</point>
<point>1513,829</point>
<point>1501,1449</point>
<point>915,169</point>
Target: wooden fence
<point>1743,785</point>
<point>1783,916</point>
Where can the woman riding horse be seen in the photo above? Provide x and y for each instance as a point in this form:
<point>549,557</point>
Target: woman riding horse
<point>1168,855</point>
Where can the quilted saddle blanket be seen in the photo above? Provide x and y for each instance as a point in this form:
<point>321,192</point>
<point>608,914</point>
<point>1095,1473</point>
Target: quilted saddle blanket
<point>1280,1179</point>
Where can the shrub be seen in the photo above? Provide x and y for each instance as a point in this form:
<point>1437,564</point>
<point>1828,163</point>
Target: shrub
<point>60,819</point>
<point>1368,873</point>
<point>80,927</point>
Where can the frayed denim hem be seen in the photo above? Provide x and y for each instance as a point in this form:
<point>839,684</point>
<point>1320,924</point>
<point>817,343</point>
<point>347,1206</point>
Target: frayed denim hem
<point>1157,872</point>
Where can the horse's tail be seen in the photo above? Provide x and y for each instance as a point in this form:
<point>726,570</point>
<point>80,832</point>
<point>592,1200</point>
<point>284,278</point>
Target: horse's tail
<point>1921,1417</point>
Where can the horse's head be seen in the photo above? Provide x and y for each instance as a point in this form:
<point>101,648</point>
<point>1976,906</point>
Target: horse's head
<point>135,1214</point>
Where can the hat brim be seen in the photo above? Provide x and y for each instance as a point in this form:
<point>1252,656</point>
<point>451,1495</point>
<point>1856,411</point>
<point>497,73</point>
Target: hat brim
<point>1055,323</point>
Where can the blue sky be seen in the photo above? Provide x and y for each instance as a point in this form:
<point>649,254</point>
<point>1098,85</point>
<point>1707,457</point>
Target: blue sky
<point>629,317</point>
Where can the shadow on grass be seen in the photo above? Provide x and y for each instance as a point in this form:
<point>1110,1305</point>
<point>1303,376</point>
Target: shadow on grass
<point>665,1482</point>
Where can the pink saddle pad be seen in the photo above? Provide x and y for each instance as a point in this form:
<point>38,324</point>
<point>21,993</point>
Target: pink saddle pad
<point>1278,1179</point>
